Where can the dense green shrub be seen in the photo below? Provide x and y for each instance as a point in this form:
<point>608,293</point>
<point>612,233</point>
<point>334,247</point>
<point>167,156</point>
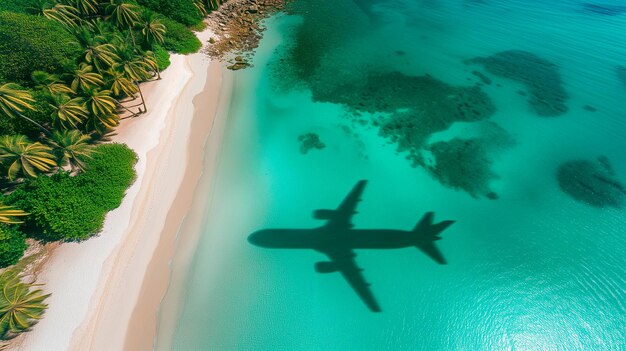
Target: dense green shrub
<point>69,208</point>
<point>30,43</point>
<point>12,245</point>
<point>108,174</point>
<point>14,5</point>
<point>162,57</point>
<point>179,38</point>
<point>183,11</point>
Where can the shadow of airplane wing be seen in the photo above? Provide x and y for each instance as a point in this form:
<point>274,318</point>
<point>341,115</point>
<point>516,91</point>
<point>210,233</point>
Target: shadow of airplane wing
<point>342,218</point>
<point>343,262</point>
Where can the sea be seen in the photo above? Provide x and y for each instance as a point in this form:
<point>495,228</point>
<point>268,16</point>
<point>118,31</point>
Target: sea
<point>507,117</point>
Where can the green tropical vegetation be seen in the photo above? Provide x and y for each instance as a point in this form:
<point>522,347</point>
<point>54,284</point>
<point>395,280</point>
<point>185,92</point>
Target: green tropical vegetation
<point>32,43</point>
<point>182,11</point>
<point>21,158</point>
<point>69,70</point>
<point>18,6</point>
<point>72,208</point>
<point>179,39</point>
<point>21,304</point>
<point>12,244</point>
<point>8,214</point>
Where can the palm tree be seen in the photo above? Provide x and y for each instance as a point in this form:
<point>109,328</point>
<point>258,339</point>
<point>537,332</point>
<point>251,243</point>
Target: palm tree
<point>152,30</point>
<point>64,14</point>
<point>201,7</point>
<point>72,147</point>
<point>102,109</point>
<point>20,307</point>
<point>124,14</point>
<point>133,65</point>
<point>68,112</point>
<point>121,84</point>
<point>87,8</point>
<point>25,158</point>
<point>86,79</point>
<point>106,32</point>
<point>37,7</point>
<point>50,83</point>
<point>8,212</point>
<point>149,58</point>
<point>96,51</point>
<point>100,102</point>
<point>14,100</point>
<point>214,4</point>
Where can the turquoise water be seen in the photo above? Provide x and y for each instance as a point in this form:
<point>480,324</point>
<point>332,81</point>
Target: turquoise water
<point>505,116</point>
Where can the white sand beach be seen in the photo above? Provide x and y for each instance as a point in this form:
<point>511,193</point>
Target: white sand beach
<point>96,284</point>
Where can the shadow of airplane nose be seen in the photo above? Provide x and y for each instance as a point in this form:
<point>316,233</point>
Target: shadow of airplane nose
<point>254,238</point>
<point>262,238</point>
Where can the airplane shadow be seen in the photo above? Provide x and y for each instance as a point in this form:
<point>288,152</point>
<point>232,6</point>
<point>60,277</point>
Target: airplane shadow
<point>337,239</point>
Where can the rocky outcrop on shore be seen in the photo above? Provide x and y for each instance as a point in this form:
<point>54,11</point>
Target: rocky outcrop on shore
<point>238,29</point>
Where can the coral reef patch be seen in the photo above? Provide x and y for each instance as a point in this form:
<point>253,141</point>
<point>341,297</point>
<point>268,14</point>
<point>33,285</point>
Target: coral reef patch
<point>413,107</point>
<point>621,74</point>
<point>411,110</point>
<point>463,164</point>
<point>541,78</point>
<point>310,141</point>
<point>591,182</point>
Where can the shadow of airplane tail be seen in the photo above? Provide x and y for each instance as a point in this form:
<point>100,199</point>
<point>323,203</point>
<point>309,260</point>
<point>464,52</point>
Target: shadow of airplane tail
<point>426,233</point>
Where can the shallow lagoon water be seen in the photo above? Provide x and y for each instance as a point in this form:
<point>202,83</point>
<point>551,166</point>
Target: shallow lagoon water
<point>530,267</point>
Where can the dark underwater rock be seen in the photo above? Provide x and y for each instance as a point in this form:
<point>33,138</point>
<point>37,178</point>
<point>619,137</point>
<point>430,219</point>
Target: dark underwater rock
<point>467,3</point>
<point>604,9</point>
<point>541,77</point>
<point>621,74</point>
<point>593,183</point>
<point>482,77</point>
<point>590,108</point>
<point>310,141</point>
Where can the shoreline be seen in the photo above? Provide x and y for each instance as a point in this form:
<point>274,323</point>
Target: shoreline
<point>170,306</point>
<point>96,284</point>
<point>203,156</point>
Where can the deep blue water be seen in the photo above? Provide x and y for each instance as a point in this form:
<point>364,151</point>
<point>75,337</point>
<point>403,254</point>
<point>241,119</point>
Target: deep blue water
<point>507,117</point>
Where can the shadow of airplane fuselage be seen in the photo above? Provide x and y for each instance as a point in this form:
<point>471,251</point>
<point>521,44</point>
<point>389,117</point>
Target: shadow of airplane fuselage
<point>324,238</point>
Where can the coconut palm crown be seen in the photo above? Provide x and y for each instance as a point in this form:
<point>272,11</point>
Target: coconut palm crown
<point>20,307</point>
<point>72,147</point>
<point>68,112</point>
<point>8,214</point>
<point>14,100</point>
<point>152,30</point>
<point>23,158</point>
